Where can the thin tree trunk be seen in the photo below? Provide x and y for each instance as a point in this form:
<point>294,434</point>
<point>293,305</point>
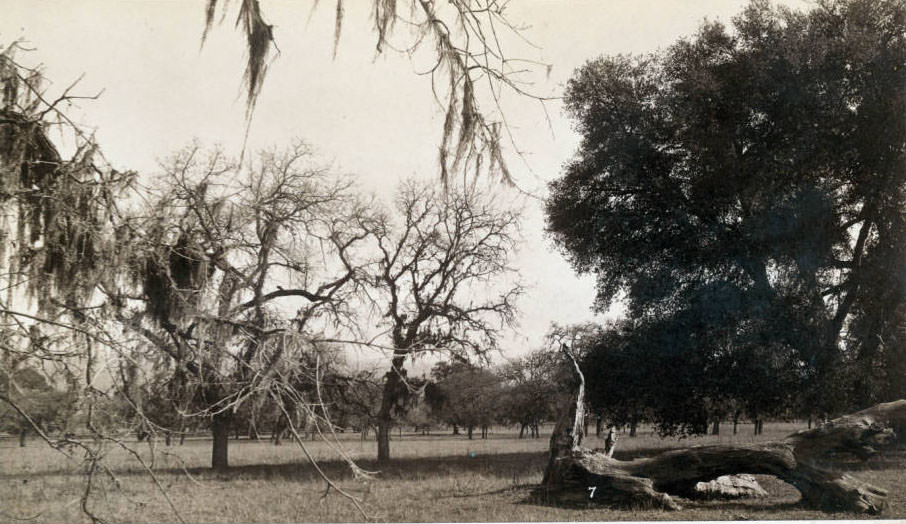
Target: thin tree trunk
<point>521,430</point>
<point>383,441</point>
<point>220,429</point>
<point>392,386</point>
<point>22,434</point>
<point>470,431</point>
<point>633,426</point>
<point>715,427</point>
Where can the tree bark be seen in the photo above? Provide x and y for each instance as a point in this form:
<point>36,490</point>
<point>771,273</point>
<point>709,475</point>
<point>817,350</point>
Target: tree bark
<point>220,429</point>
<point>383,442</point>
<point>799,459</point>
<point>392,385</point>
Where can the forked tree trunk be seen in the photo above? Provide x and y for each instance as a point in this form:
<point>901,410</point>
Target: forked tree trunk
<point>577,474</point>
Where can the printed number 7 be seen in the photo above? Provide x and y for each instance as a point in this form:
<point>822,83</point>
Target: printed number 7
<point>591,491</point>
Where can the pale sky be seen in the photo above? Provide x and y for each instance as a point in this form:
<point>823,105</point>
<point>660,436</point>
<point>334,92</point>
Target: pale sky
<point>367,116</point>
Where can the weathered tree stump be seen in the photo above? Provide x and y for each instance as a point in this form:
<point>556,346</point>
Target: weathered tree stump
<point>576,474</point>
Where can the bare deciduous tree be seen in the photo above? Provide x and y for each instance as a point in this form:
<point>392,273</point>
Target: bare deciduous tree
<point>224,257</point>
<point>440,257</point>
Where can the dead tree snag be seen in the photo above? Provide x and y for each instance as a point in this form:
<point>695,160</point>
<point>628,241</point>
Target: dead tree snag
<point>577,474</point>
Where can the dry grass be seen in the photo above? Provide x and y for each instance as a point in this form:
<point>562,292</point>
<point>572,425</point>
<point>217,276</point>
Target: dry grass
<point>437,478</point>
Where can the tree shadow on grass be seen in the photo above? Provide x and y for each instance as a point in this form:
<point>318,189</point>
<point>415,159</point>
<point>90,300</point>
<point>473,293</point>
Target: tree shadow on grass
<point>522,465</point>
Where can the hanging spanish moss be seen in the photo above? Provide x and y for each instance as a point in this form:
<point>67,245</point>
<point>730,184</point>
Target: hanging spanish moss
<point>465,37</point>
<point>55,210</point>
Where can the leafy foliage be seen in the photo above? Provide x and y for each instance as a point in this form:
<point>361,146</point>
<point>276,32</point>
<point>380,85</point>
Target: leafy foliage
<point>740,190</point>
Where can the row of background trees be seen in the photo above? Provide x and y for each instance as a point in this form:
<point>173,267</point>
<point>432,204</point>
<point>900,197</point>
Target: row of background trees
<point>217,287</point>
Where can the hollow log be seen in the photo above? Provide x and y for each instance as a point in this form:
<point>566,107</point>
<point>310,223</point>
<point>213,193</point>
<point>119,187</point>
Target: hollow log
<point>576,474</point>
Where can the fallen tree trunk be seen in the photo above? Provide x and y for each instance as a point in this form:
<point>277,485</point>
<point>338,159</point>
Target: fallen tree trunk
<point>577,474</point>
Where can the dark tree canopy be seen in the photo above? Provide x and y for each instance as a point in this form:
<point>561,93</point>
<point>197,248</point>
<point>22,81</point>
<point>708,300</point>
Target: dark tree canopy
<point>463,395</point>
<point>744,192</point>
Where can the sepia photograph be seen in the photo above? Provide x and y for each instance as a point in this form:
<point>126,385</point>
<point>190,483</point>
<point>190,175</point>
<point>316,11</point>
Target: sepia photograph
<point>269,261</point>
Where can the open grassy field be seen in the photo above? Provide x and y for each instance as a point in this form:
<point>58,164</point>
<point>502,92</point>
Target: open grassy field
<point>431,478</point>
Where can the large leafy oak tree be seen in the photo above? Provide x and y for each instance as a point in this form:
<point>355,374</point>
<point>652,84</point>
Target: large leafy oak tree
<point>744,192</point>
